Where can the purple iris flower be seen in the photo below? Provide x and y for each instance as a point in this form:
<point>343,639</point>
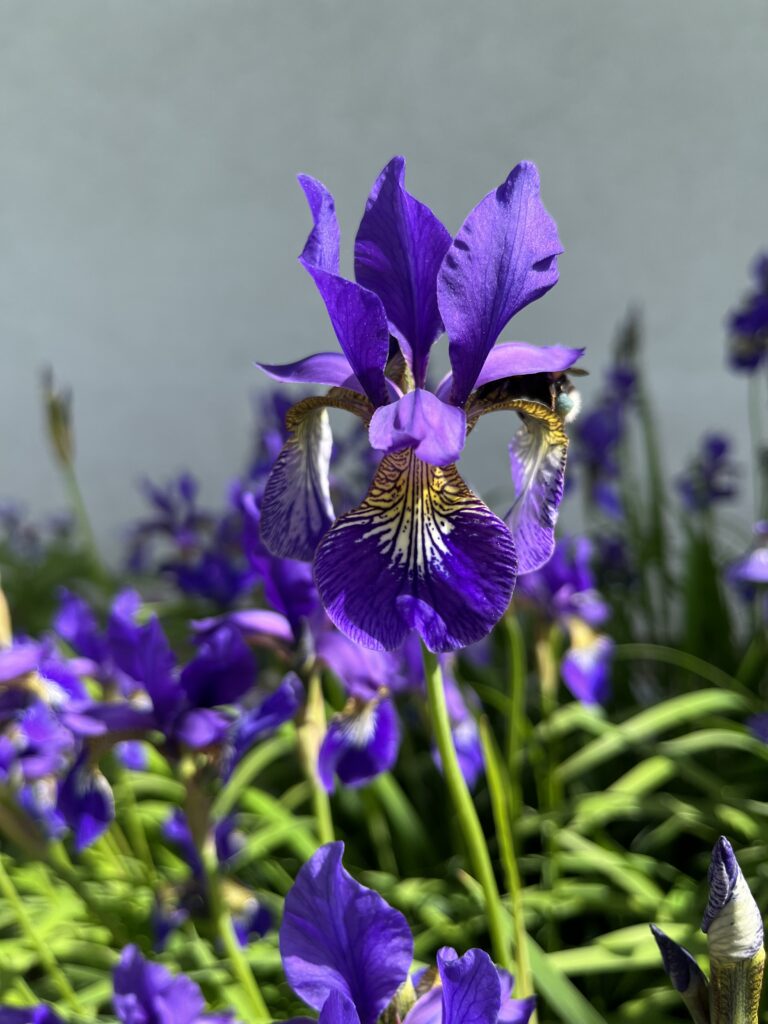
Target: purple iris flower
<point>710,477</point>
<point>564,591</point>
<point>748,325</point>
<point>362,741</point>
<point>422,552</point>
<point>752,568</point>
<point>346,953</point>
<point>147,993</point>
<point>85,802</point>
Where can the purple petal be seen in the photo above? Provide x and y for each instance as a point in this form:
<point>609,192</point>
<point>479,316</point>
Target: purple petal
<point>322,247</point>
<point>201,727</point>
<point>18,660</point>
<point>361,671</point>
<point>398,251</point>
<point>428,1009</point>
<point>86,803</point>
<point>435,430</point>
<point>147,992</point>
<point>471,987</point>
<point>517,359</point>
<point>251,622</point>
<point>504,256</point>
<point>537,455</point>
<point>339,936</point>
<point>329,368</point>
<point>337,1009</point>
<point>258,722</point>
<point>513,1011</point>
<point>361,743</point>
<point>586,665</point>
<point>357,315</point>
<point>223,670</point>
<point>297,510</point>
<point>421,552</point>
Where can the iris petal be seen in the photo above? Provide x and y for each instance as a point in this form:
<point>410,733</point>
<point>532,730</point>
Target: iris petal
<point>361,743</point>
<point>537,457</point>
<point>329,368</point>
<point>357,314</point>
<point>504,256</point>
<point>471,987</point>
<point>398,251</point>
<point>296,509</point>
<point>339,936</point>
<point>433,555</point>
<point>435,430</point>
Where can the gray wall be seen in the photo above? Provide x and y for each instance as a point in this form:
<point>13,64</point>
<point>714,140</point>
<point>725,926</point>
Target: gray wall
<point>150,221</point>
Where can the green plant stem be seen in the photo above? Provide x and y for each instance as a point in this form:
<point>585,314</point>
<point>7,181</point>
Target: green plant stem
<point>757,437</point>
<point>465,809</point>
<point>517,724</point>
<point>197,807</point>
<point>82,517</point>
<point>311,733</point>
<point>240,967</point>
<point>47,959</point>
<point>499,786</point>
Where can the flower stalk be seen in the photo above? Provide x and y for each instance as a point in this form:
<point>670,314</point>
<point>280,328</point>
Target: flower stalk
<point>310,737</point>
<point>466,813</point>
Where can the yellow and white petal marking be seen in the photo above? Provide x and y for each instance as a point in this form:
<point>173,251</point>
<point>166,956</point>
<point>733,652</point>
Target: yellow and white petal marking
<point>422,551</point>
<point>538,453</point>
<point>297,508</point>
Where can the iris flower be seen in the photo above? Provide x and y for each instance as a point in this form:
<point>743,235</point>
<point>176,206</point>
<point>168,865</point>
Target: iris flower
<point>347,954</point>
<point>422,551</point>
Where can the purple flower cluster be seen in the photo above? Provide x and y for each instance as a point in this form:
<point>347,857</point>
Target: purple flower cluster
<point>710,477</point>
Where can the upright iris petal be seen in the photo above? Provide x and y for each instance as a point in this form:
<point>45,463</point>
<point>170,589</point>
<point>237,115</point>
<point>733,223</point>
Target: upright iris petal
<point>399,247</point>
<point>435,557</point>
<point>338,936</point>
<point>471,987</point>
<point>357,315</point>
<point>504,256</point>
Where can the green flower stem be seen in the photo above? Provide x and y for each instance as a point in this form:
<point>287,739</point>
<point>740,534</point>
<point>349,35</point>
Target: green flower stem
<point>82,517</point>
<point>257,1007</point>
<point>499,786</point>
<point>518,726</point>
<point>310,733</point>
<point>465,809</point>
<point>45,955</point>
<point>197,807</point>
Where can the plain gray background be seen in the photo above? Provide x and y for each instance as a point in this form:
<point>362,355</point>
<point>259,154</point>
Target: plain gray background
<point>150,220</point>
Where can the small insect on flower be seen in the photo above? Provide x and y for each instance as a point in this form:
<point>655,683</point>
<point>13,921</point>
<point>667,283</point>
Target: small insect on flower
<point>422,552</point>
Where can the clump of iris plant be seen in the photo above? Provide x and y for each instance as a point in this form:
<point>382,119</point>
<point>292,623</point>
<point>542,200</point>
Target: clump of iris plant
<point>348,955</point>
<point>422,552</point>
<point>733,925</point>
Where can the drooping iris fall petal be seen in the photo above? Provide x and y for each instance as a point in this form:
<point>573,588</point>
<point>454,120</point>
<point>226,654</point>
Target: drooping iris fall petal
<point>361,742</point>
<point>434,556</point>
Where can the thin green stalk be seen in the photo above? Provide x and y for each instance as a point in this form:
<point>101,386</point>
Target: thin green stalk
<point>47,959</point>
<point>517,724</point>
<point>82,517</point>
<point>465,809</point>
<point>499,787</point>
<point>311,732</point>
<point>240,966</point>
